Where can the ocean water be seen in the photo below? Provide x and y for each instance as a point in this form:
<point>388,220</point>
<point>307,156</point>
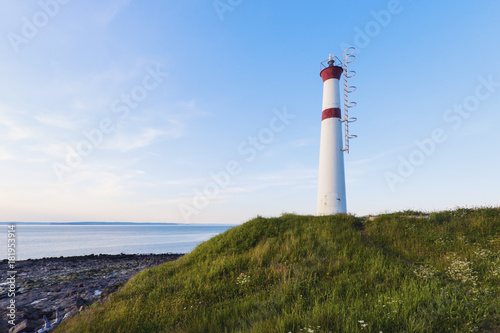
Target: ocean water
<point>37,241</point>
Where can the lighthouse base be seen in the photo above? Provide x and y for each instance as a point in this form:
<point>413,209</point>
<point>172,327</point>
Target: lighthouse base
<point>331,203</point>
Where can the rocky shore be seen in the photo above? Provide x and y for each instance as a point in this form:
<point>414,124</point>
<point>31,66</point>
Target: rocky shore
<point>58,287</point>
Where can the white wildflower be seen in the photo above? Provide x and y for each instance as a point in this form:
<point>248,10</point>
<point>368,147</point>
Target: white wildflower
<point>482,253</point>
<point>461,270</point>
<point>242,279</point>
<point>425,272</point>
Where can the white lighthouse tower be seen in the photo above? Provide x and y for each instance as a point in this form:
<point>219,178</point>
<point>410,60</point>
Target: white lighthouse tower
<point>331,178</point>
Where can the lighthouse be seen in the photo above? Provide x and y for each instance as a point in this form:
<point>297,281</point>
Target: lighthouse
<point>331,177</point>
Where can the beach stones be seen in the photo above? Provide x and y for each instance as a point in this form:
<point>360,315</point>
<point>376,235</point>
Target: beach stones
<point>55,287</point>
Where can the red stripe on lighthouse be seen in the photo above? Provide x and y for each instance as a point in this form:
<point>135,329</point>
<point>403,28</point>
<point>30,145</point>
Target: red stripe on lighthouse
<point>333,72</point>
<point>331,113</point>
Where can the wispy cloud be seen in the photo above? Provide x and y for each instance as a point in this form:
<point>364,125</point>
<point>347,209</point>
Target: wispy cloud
<point>186,182</point>
<point>101,180</point>
<point>380,155</point>
<point>191,109</point>
<point>302,143</point>
<point>125,143</point>
<point>112,8</point>
<point>14,128</point>
<point>55,120</point>
<point>5,154</point>
<point>175,129</point>
<point>52,150</point>
<point>292,178</point>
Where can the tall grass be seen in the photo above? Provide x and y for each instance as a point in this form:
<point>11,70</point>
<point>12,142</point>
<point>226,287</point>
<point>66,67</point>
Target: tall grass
<point>322,274</point>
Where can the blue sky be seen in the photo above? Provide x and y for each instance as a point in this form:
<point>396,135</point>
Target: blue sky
<point>209,111</point>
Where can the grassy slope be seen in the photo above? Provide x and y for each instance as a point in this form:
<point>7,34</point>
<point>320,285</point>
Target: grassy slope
<point>332,273</point>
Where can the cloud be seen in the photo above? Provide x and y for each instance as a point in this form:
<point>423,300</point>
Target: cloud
<point>15,129</point>
<point>54,150</point>
<point>106,14</point>
<point>302,143</point>
<point>176,129</point>
<point>190,109</point>
<point>99,180</point>
<point>56,121</point>
<point>383,154</point>
<point>186,182</point>
<point>16,132</point>
<point>5,155</point>
<point>125,143</point>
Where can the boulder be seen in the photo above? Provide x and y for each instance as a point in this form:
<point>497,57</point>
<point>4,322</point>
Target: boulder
<point>19,327</point>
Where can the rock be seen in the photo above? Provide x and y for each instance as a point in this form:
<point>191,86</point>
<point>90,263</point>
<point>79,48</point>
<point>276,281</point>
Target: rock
<point>19,327</point>
<point>31,313</point>
<point>71,293</point>
<point>58,319</point>
<point>50,314</point>
<point>33,325</point>
<point>110,290</point>
<point>79,301</point>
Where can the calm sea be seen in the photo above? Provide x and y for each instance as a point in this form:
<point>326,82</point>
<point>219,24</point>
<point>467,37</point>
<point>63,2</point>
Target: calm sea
<point>47,240</point>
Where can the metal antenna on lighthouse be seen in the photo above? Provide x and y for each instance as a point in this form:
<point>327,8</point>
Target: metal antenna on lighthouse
<point>348,57</point>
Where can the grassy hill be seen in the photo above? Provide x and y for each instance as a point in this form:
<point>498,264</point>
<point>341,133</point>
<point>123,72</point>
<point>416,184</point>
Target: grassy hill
<point>400,272</point>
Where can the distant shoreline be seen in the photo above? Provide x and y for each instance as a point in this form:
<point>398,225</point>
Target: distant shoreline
<point>122,223</point>
<point>95,256</point>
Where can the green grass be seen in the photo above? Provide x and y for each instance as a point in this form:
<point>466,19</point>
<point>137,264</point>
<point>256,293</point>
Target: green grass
<point>334,273</point>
